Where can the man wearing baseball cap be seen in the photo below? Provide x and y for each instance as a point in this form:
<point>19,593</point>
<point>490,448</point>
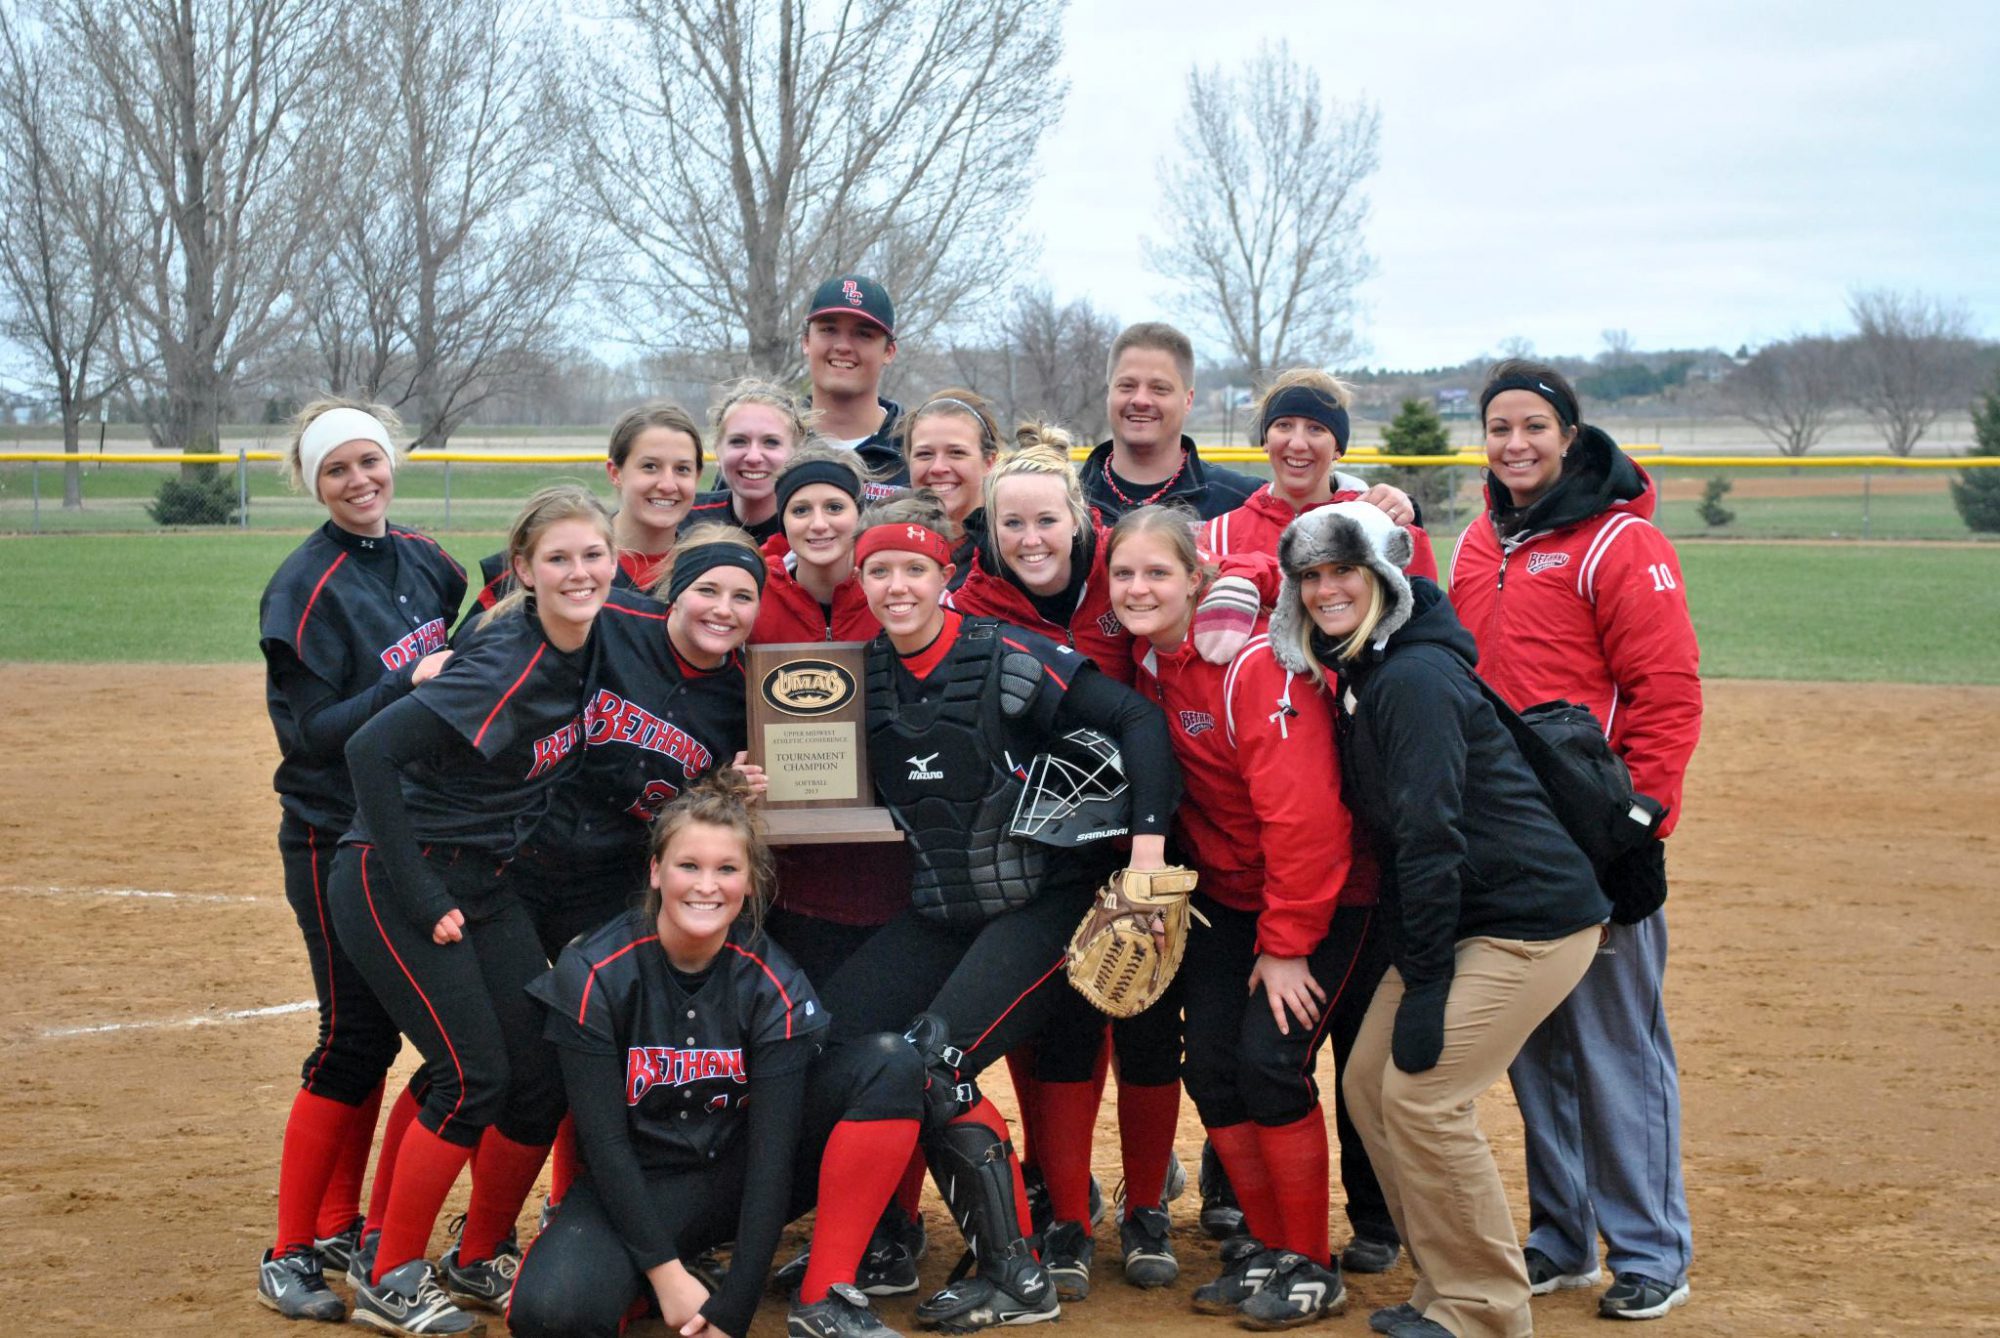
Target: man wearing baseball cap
<point>849,340</point>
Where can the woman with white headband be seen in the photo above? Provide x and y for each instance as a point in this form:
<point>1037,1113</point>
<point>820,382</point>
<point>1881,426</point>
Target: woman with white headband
<point>352,621</point>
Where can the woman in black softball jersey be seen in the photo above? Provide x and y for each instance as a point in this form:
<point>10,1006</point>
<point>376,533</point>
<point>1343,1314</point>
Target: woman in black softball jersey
<point>705,1111</point>
<point>447,783</point>
<point>353,620</point>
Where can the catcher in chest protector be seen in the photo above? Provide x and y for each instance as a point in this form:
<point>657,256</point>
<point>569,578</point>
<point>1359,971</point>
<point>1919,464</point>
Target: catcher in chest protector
<point>1289,952</point>
<point>958,708</point>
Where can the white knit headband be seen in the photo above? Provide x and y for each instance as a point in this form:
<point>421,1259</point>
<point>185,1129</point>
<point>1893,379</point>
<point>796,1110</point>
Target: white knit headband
<point>334,429</point>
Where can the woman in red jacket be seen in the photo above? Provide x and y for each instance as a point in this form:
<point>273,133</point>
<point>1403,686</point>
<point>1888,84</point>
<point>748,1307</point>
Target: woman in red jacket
<point>1291,944</point>
<point>1572,593</point>
<point>950,443</point>
<point>812,594</point>
<point>1303,426</point>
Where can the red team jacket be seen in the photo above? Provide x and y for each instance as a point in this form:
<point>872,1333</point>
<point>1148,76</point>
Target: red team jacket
<point>1094,630</point>
<point>1262,818</point>
<point>790,613</point>
<point>1591,610</point>
<point>1256,526</point>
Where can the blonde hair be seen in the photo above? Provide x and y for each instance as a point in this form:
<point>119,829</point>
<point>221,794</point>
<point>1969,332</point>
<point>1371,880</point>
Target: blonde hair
<point>751,390</point>
<point>723,798</point>
<point>958,402</point>
<point>1041,450</point>
<point>1175,525</point>
<point>653,413</point>
<point>551,505</point>
<point>1312,378</point>
<point>1354,642</point>
<point>708,532</point>
<point>295,472</point>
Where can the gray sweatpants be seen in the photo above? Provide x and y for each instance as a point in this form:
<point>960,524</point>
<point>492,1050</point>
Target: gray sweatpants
<point>1600,1101</point>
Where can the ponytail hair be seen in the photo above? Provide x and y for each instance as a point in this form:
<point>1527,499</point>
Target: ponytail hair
<point>551,505</point>
<point>722,798</point>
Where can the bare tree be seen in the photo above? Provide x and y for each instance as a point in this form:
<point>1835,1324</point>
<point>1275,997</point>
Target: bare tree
<point>745,151</point>
<point>1060,352</point>
<point>1266,209</point>
<point>1913,361</point>
<point>224,125</point>
<point>1790,389</point>
<point>1617,348</point>
<point>58,303</point>
<point>454,273</point>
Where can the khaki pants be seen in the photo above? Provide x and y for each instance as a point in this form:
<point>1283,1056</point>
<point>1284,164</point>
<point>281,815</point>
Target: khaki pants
<point>1422,1132</point>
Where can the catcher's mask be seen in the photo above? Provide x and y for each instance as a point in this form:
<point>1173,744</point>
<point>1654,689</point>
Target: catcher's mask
<point>1075,793</point>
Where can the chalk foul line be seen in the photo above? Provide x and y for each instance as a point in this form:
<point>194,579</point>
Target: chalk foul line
<point>131,892</point>
<point>199,1020</point>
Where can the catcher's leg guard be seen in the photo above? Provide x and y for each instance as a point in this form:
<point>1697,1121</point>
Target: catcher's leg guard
<point>946,1095</point>
<point>974,1169</point>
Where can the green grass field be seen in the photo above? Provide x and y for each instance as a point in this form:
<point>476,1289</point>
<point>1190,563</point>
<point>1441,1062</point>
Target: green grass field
<point>1840,612</point>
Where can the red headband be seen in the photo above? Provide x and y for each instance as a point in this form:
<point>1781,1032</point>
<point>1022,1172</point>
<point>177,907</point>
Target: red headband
<point>903,539</point>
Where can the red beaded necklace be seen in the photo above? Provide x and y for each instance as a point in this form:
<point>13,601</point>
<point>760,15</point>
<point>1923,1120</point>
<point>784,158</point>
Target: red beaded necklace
<point>1111,482</point>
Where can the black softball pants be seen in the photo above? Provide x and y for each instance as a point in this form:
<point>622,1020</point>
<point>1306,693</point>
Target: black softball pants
<point>579,1279</point>
<point>994,985</point>
<point>1148,1044</point>
<point>819,947</point>
<point>1240,1067</point>
<point>464,1005</point>
<point>358,1040</point>
<point>564,901</point>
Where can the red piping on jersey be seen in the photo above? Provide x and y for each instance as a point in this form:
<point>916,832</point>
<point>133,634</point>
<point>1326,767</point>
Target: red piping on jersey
<point>1017,1002</point>
<point>450,1049</point>
<point>584,1007</point>
<point>326,937</point>
<point>782,992</point>
<point>634,613</point>
<point>1045,669</point>
<point>532,662</point>
<point>1326,1009</point>
<point>312,599</point>
<point>426,539</point>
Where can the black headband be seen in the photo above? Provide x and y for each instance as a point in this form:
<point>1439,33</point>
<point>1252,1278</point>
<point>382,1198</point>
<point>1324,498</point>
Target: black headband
<point>1558,399</point>
<point>1306,402</point>
<point>698,561</point>
<point>816,471</point>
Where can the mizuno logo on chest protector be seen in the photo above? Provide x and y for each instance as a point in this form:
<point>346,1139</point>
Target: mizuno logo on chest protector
<point>920,768</point>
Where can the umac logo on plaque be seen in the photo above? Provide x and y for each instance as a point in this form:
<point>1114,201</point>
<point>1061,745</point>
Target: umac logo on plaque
<point>808,687</point>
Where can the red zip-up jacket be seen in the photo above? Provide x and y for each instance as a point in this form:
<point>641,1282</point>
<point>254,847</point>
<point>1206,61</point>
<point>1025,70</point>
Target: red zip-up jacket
<point>1257,525</point>
<point>1262,817</point>
<point>1094,630</point>
<point>1586,605</point>
<point>789,611</point>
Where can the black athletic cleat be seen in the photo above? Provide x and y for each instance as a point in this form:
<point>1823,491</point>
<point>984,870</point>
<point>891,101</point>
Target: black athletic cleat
<point>1419,1328</point>
<point>1149,1251</point>
<point>409,1301</point>
<point>843,1314</point>
<point>1067,1251</point>
<point>337,1251</point>
<point>1635,1296</point>
<point>1544,1277</point>
<point>1389,1316</point>
<point>486,1283</point>
<point>361,1264</point>
<point>1221,1215</point>
<point>1363,1255</point>
<point>983,1303</point>
<point>1297,1291</point>
<point>294,1285</point>
<point>1246,1262</point>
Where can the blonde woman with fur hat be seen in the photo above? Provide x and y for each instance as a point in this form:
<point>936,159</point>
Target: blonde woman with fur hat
<point>1492,911</point>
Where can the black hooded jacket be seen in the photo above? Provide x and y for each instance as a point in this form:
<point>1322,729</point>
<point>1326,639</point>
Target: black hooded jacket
<point>1466,840</point>
<point>1596,477</point>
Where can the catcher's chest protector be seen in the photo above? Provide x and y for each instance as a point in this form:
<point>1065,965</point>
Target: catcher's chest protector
<point>939,764</point>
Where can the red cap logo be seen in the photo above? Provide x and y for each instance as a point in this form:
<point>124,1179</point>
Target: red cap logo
<point>851,291</point>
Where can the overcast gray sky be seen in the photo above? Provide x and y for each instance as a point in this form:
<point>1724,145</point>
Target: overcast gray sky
<point>1697,173</point>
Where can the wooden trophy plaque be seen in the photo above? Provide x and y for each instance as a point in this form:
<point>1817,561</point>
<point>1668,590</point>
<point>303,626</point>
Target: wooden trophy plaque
<point>809,731</point>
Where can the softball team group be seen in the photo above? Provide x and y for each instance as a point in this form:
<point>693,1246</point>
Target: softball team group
<point>531,844</point>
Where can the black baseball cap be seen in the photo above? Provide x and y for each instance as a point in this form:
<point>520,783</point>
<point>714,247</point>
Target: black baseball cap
<point>859,294</point>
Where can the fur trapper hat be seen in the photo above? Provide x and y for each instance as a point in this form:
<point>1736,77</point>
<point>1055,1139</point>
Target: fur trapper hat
<point>1357,534</point>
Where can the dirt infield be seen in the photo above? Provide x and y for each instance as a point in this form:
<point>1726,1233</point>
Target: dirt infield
<point>1835,992</point>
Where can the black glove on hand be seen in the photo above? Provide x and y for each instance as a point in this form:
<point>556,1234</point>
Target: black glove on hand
<point>1419,1035</point>
<point>1636,882</point>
